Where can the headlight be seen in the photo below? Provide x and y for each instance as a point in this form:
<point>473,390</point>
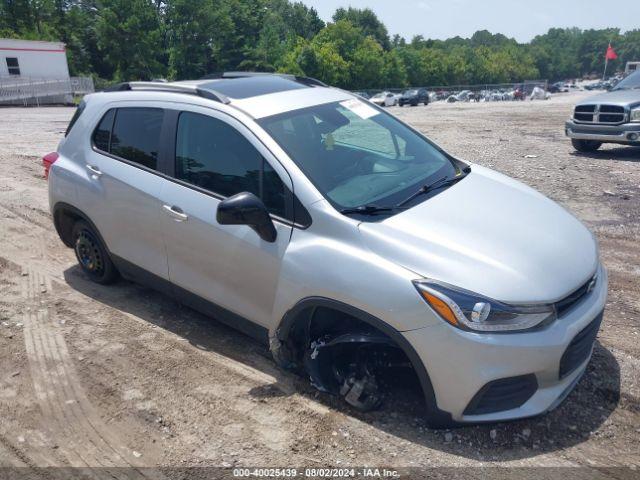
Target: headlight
<point>470,311</point>
<point>634,115</point>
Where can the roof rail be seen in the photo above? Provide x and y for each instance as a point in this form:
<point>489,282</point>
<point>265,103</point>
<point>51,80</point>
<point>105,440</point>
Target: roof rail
<point>312,82</point>
<point>169,87</point>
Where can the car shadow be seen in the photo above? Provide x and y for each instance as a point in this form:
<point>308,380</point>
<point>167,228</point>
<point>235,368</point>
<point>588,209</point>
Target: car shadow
<point>624,153</point>
<point>573,422</point>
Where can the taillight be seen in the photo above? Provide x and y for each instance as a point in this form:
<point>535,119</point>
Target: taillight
<point>48,160</point>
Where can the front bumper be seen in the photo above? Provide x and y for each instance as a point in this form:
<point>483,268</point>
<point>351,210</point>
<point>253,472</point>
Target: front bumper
<point>604,133</point>
<point>461,363</point>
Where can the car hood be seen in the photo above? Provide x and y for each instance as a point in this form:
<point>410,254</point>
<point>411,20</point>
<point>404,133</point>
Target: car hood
<point>492,235</point>
<point>615,97</point>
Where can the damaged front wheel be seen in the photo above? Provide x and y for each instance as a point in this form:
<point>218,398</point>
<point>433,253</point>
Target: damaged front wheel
<point>351,365</point>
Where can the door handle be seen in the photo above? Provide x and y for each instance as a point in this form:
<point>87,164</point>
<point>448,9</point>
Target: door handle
<point>176,212</point>
<point>94,170</point>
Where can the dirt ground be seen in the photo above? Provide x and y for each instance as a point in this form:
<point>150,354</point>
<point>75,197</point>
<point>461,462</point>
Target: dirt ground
<point>122,376</point>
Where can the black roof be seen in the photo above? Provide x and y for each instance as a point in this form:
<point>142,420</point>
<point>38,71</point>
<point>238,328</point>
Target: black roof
<point>253,86</point>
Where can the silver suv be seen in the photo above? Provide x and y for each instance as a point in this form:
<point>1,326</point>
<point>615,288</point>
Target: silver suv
<point>344,239</point>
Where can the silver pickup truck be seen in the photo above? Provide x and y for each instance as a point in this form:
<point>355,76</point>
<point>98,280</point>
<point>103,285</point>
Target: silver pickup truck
<point>611,117</point>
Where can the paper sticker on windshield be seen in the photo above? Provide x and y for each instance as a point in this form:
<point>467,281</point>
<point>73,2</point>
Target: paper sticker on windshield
<point>360,108</point>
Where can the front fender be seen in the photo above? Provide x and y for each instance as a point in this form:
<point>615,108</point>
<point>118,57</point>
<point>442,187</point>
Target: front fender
<point>344,270</point>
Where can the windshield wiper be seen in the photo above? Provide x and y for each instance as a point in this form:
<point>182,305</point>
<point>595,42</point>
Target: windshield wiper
<point>442,182</point>
<point>371,209</point>
<point>368,209</point>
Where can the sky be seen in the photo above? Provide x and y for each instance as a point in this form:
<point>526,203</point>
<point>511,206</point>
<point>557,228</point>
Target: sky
<point>521,20</point>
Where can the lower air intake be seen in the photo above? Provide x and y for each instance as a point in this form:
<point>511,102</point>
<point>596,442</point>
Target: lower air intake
<point>580,348</point>
<point>502,394</point>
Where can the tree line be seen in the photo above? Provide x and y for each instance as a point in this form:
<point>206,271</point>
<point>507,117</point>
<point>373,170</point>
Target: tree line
<point>117,40</point>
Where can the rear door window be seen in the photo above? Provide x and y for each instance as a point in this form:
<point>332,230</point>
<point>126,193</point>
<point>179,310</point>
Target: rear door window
<point>136,135</point>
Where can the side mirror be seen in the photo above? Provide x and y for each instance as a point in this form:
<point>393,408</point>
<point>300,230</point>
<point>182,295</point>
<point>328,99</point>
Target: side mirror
<point>246,209</point>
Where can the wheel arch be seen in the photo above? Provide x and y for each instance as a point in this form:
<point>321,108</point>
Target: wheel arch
<point>435,416</point>
<point>64,217</point>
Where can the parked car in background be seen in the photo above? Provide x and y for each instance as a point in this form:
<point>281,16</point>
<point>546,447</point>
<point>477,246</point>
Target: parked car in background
<point>558,87</point>
<point>539,93</point>
<point>463,96</point>
<point>442,94</point>
<point>519,94</point>
<point>384,99</point>
<point>344,240</point>
<point>594,86</point>
<point>611,117</point>
<point>414,96</point>
<point>364,95</point>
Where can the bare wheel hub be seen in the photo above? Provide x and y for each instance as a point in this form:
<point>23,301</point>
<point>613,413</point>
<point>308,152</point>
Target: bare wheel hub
<point>88,252</point>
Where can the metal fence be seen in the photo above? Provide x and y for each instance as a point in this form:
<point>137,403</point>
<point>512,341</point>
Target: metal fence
<point>34,91</point>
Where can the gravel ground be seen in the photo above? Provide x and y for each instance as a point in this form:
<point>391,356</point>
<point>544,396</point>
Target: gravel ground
<point>121,376</point>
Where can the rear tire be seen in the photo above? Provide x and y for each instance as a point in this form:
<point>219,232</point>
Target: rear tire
<point>92,255</point>
<point>585,146</point>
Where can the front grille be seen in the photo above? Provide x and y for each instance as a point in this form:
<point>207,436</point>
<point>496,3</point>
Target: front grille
<point>610,118</point>
<point>612,109</point>
<point>601,114</point>
<point>580,347</point>
<point>502,394</point>
<point>583,117</point>
<point>571,300</point>
<point>586,108</point>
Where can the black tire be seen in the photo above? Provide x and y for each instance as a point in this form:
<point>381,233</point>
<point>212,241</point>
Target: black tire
<point>92,255</point>
<point>426,102</point>
<point>586,146</point>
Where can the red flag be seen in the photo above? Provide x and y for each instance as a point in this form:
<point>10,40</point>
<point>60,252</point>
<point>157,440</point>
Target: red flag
<point>611,53</point>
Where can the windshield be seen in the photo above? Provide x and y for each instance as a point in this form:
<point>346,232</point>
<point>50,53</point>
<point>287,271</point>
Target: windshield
<point>411,92</point>
<point>631,82</point>
<point>356,154</point>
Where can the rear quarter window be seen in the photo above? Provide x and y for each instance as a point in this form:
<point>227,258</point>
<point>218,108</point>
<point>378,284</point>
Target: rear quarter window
<point>75,117</point>
<point>102,133</point>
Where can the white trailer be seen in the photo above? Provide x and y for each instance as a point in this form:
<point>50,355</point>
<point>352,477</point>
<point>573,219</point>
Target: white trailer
<point>631,67</point>
<point>33,59</point>
<point>33,72</point>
